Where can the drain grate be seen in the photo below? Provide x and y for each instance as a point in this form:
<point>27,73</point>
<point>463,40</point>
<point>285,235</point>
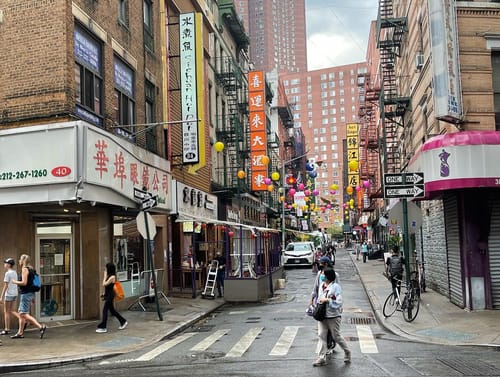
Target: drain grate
<point>471,367</point>
<point>361,320</point>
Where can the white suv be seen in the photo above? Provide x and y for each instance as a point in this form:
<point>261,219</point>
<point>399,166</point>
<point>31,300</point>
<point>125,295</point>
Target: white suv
<point>298,254</point>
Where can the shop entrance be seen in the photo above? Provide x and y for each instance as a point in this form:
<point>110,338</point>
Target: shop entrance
<point>54,255</point>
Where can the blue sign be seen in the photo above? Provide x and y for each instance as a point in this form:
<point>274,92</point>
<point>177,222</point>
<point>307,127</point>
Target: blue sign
<point>124,78</point>
<point>87,51</point>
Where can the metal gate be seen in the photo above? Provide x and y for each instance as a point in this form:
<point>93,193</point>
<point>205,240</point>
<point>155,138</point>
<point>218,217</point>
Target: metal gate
<point>494,251</point>
<point>454,259</point>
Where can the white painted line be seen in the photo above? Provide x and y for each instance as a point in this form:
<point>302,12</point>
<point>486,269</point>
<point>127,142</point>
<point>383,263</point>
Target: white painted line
<point>207,342</point>
<point>164,347</point>
<point>366,340</point>
<point>246,340</point>
<point>285,341</point>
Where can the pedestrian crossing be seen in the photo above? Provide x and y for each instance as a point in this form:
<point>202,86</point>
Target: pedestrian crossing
<point>201,342</point>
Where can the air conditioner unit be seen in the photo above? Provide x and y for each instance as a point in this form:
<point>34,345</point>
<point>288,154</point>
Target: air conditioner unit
<point>419,61</point>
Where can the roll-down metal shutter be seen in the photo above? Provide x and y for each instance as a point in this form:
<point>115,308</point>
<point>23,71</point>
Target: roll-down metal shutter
<point>453,250</point>
<point>494,251</point>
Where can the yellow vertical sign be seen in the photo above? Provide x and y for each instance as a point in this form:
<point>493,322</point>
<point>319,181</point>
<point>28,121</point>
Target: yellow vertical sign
<point>352,154</point>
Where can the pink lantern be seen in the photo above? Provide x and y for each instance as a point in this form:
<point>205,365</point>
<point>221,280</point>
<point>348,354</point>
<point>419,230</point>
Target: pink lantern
<point>315,192</point>
<point>307,192</point>
<point>332,192</point>
<point>358,188</point>
<point>328,206</point>
<point>291,192</point>
<point>301,187</point>
<point>366,184</point>
<point>267,181</point>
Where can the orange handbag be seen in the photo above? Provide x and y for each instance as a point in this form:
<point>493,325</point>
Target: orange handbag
<point>119,293</point>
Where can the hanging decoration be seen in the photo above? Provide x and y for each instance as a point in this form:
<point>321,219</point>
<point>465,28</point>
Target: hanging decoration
<point>241,174</point>
<point>353,165</point>
<point>219,146</point>
<point>349,190</point>
<point>275,176</point>
<point>265,160</point>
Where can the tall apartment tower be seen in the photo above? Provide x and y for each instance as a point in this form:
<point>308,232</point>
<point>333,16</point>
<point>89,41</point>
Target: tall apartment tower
<point>277,32</point>
<point>324,102</point>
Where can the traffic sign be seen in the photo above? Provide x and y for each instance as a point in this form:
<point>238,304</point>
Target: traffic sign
<point>143,228</point>
<point>141,194</point>
<point>149,203</point>
<point>415,191</point>
<point>401,179</point>
<point>404,185</point>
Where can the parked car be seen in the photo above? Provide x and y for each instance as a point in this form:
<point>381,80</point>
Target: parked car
<point>298,254</point>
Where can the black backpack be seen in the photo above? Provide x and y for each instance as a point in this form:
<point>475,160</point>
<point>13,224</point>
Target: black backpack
<point>396,265</point>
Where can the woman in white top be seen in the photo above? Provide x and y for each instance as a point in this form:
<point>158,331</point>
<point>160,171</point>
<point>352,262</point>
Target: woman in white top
<point>9,294</point>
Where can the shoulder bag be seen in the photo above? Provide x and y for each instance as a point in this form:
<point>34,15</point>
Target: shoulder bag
<point>319,312</point>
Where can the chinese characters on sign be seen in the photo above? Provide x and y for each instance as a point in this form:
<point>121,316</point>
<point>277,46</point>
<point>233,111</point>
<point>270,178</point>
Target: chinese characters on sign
<point>111,164</point>
<point>258,131</point>
<point>352,154</point>
<point>189,88</point>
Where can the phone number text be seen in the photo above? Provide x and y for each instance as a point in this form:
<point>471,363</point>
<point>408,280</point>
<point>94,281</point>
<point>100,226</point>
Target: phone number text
<point>23,174</point>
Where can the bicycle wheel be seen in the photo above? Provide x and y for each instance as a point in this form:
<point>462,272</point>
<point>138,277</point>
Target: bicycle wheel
<point>412,306</point>
<point>390,305</point>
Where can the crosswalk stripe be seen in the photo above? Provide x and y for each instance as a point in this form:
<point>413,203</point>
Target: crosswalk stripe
<point>366,340</point>
<point>207,342</point>
<point>164,347</point>
<point>246,340</point>
<point>285,341</point>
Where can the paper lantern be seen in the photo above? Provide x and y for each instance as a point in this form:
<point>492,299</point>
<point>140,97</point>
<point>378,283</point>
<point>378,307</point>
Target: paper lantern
<point>353,165</point>
<point>334,186</point>
<point>241,174</point>
<point>307,192</point>
<point>267,181</point>
<point>301,187</point>
<point>275,176</point>
<point>315,192</point>
<point>264,160</point>
<point>219,146</point>
<point>282,198</point>
<point>349,190</point>
<point>366,184</point>
<point>291,192</point>
<point>230,233</point>
<point>270,188</point>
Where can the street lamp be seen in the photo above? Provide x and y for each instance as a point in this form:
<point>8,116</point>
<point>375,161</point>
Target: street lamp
<point>284,194</point>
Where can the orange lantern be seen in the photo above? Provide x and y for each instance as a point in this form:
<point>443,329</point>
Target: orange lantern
<point>241,174</point>
<point>270,188</point>
<point>265,160</point>
<point>349,190</point>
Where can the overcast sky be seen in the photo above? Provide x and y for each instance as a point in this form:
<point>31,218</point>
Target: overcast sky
<point>337,31</point>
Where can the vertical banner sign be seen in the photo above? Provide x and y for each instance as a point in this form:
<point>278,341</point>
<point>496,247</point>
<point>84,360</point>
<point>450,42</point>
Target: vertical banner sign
<point>445,63</point>
<point>258,129</point>
<point>352,154</point>
<point>189,89</point>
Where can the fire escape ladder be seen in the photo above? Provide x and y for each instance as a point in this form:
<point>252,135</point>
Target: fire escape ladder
<point>230,127</point>
<point>390,32</point>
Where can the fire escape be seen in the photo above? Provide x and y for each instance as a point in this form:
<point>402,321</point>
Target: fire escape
<point>390,32</point>
<point>369,90</point>
<point>230,128</point>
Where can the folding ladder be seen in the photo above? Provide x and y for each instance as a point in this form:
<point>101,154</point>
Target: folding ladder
<point>211,279</point>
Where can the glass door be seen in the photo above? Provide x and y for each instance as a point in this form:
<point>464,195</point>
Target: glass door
<point>54,254</point>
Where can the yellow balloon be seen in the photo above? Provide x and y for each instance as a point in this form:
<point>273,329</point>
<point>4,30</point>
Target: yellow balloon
<point>275,176</point>
<point>241,174</point>
<point>334,186</point>
<point>351,202</point>
<point>353,165</point>
<point>219,146</point>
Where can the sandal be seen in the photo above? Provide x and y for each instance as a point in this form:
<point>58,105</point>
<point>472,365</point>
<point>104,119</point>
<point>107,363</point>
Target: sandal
<point>5,332</point>
<point>17,336</point>
<point>42,331</point>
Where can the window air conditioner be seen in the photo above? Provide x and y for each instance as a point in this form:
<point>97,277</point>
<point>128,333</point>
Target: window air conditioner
<point>419,61</point>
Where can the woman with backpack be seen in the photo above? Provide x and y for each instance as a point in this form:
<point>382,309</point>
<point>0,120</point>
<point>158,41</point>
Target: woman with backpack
<point>27,291</point>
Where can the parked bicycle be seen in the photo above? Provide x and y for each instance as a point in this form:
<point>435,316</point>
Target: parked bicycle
<point>419,276</point>
<point>409,305</point>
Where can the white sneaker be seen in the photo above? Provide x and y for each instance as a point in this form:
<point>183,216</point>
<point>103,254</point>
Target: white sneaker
<point>122,327</point>
<point>99,330</point>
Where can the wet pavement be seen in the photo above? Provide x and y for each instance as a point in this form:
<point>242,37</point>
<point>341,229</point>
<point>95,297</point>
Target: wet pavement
<point>438,321</point>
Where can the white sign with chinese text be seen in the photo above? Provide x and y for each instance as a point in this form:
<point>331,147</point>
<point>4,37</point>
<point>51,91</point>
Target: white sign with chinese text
<point>122,166</point>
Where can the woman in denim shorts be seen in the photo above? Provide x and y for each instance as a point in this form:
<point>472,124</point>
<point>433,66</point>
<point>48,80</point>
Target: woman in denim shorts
<point>27,297</point>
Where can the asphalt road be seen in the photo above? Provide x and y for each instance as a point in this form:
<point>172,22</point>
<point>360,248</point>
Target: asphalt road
<point>277,339</point>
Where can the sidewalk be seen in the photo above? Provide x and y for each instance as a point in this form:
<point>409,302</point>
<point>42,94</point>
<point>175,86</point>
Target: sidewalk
<point>438,320</point>
<point>69,341</point>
